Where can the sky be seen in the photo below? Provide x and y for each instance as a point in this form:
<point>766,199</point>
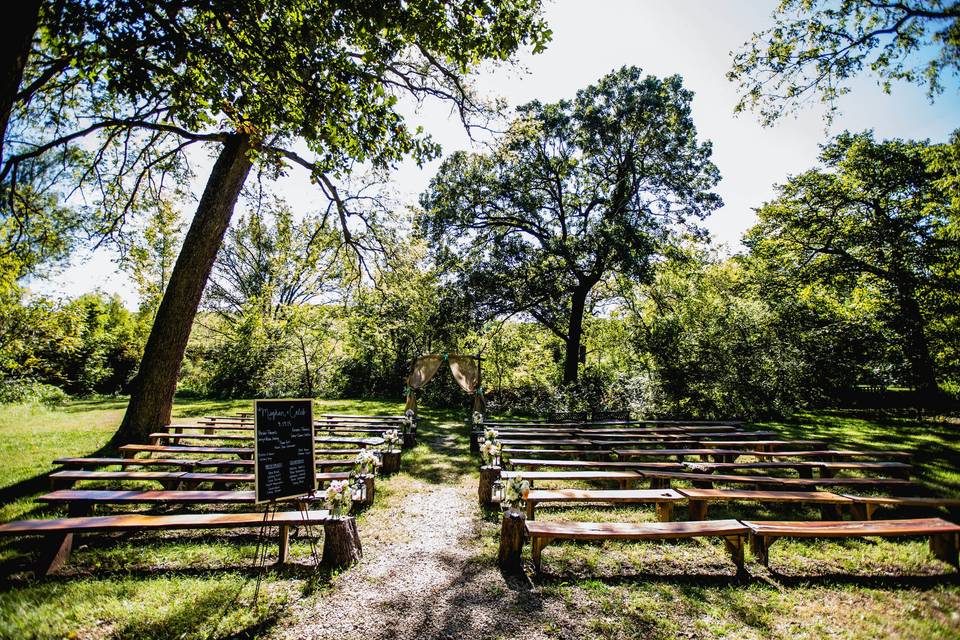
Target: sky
<point>693,38</point>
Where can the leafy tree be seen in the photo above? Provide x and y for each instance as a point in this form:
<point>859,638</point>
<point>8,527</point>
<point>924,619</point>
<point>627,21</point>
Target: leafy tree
<point>151,255</point>
<point>815,47</point>
<point>250,79</point>
<point>875,216</point>
<point>576,191</point>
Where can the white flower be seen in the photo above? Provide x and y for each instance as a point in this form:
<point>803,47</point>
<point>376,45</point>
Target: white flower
<point>477,417</point>
<point>490,434</point>
<point>391,438</point>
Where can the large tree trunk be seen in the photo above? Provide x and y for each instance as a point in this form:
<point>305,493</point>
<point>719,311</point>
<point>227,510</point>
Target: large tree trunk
<point>571,361</point>
<point>152,390</point>
<point>915,344</point>
<point>21,25</point>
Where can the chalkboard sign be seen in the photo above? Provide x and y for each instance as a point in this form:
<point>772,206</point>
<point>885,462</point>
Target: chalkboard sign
<point>283,449</point>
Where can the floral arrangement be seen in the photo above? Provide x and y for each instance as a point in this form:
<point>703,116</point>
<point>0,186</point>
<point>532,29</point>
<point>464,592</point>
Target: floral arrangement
<point>490,451</point>
<point>409,419</point>
<point>365,463</point>
<point>515,492</point>
<point>391,439</point>
<point>490,434</point>
<point>477,417</point>
<point>339,497</point>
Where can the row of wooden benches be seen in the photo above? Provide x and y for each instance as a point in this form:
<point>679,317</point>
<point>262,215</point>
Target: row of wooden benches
<point>943,535</point>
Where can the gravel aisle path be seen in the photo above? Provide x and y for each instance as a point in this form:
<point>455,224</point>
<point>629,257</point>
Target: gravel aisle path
<point>424,581</point>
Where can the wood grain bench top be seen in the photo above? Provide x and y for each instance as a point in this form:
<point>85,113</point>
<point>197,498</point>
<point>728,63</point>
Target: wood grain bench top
<point>572,475</point>
<point>632,531</point>
<point>127,462</point>
<point>160,448</point>
<point>149,497</point>
<point>836,453</point>
<point>164,435</point>
<point>762,443</point>
<point>854,528</point>
<point>249,477</point>
<point>763,496</point>
<point>907,501</point>
<point>546,443</point>
<point>621,495</point>
<point>864,466</point>
<point>554,452</point>
<point>677,452</point>
<point>715,477</point>
<point>118,475</point>
<point>129,522</point>
<point>594,464</point>
<point>647,443</point>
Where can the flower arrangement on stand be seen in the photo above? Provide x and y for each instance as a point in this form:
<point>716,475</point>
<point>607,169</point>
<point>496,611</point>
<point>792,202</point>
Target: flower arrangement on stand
<point>490,452</point>
<point>339,498</point>
<point>366,463</point>
<point>391,439</point>
<point>409,420</point>
<point>477,418</point>
<point>515,493</point>
<point>490,434</point>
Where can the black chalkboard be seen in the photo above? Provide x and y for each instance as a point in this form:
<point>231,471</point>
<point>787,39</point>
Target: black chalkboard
<point>283,449</point>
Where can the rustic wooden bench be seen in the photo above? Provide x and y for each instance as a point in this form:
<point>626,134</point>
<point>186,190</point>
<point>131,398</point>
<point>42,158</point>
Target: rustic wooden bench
<point>831,455</point>
<point>80,502</point>
<point>131,450</point>
<point>942,534</point>
<point>765,445</point>
<point>222,480</point>
<point>537,463</point>
<point>86,463</point>
<point>894,469</point>
<point>541,534</point>
<point>662,479</point>
<point>567,453</point>
<point>227,465</point>
<point>863,507</point>
<point>698,499</point>
<point>662,498</point>
<point>624,478</point>
<point>718,454</point>
<point>804,469</point>
<point>510,442</point>
<point>66,479</point>
<point>59,534</point>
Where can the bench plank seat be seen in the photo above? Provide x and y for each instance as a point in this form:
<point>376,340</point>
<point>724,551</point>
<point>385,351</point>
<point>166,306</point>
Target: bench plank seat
<point>543,533</point>
<point>130,450</point>
<point>699,499</point>
<point>662,498</point>
<point>125,462</point>
<point>625,478</point>
<point>942,534</point>
<point>66,479</point>
<point>59,533</point>
<point>865,506</point>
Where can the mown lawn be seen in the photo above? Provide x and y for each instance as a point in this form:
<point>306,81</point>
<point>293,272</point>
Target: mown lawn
<point>201,584</point>
<point>172,585</point>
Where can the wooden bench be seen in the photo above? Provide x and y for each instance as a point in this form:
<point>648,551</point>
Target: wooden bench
<point>894,469</point>
<point>131,450</point>
<point>570,453</point>
<point>718,454</point>
<point>541,534</point>
<point>80,502</point>
<point>942,534</point>
<point>804,469</point>
<point>59,533</point>
<point>226,465</point>
<point>66,479</point>
<point>662,498</point>
<point>863,507</point>
<point>624,478</point>
<point>510,442</point>
<point>765,445</point>
<point>662,479</point>
<point>536,463</point>
<point>194,480</point>
<point>830,455</point>
<point>81,463</point>
<point>698,499</point>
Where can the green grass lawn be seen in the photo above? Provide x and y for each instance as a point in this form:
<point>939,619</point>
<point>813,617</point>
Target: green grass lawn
<point>201,584</point>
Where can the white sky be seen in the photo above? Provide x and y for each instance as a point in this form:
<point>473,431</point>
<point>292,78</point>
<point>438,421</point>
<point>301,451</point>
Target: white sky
<point>693,38</point>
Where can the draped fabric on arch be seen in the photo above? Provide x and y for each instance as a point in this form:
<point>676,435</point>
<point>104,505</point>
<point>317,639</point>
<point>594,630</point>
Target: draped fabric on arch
<point>424,369</point>
<point>465,370</point>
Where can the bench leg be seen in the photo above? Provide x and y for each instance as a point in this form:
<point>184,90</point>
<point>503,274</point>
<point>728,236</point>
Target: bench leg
<point>760,548</point>
<point>697,510</point>
<point>55,554</point>
<point>79,509</point>
<point>61,483</point>
<point>537,545</point>
<point>804,472</point>
<point>830,512</point>
<point>944,547</point>
<point>531,507</point>
<point>858,511</point>
<point>734,545</point>
<point>702,484</point>
<point>826,472</point>
<point>283,554</point>
<point>664,512</point>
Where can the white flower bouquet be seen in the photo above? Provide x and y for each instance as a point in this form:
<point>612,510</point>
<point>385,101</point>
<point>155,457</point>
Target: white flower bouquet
<point>515,492</point>
<point>490,434</point>
<point>339,497</point>
<point>366,463</point>
<point>409,419</point>
<point>391,439</point>
<point>490,451</point>
<point>477,417</point>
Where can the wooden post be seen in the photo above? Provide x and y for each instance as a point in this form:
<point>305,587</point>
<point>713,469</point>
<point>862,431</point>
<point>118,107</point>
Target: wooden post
<point>944,547</point>
<point>664,511</point>
<point>474,439</point>
<point>512,530</point>
<point>368,489</point>
<point>341,543</point>
<point>488,475</point>
<point>391,461</point>
<point>697,510</point>
<point>734,546</point>
<point>283,555</point>
<point>55,553</point>
<point>760,548</point>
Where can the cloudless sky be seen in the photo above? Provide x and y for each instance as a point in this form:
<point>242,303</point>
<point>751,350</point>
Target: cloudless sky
<point>692,38</point>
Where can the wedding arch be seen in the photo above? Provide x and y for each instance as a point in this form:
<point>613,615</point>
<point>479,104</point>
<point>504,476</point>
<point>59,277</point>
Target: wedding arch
<point>465,370</point>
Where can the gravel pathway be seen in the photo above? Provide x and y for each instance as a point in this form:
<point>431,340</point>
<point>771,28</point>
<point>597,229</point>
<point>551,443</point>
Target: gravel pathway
<point>421,579</point>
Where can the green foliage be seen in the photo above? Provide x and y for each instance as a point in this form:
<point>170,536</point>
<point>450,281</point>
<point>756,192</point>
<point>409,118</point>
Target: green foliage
<point>815,47</point>
<point>574,192</point>
<point>876,224</point>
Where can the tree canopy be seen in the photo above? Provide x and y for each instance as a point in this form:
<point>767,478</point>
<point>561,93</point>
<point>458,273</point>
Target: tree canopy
<point>575,191</point>
<point>815,47</point>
